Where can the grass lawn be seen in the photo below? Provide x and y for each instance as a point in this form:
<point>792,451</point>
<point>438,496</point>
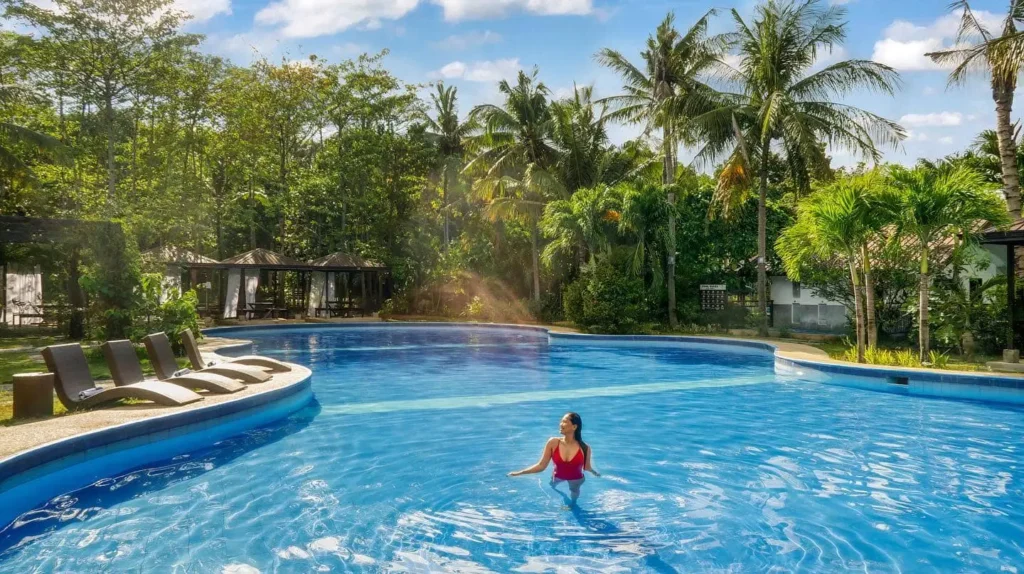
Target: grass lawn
<point>15,342</point>
<point>12,363</point>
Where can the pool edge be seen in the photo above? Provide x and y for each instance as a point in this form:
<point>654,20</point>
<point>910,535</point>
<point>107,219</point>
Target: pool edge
<point>34,469</point>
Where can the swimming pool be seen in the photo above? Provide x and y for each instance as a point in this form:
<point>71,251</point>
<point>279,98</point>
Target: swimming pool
<point>711,462</point>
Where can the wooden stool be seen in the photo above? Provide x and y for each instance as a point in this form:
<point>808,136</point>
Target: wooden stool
<point>33,395</point>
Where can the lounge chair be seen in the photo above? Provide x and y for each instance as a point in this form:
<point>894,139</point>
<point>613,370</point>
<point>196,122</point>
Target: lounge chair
<point>158,346</point>
<point>196,358</point>
<point>76,389</point>
<point>126,369</point>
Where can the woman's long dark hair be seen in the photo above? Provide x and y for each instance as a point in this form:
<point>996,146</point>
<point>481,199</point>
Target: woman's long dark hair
<point>575,419</point>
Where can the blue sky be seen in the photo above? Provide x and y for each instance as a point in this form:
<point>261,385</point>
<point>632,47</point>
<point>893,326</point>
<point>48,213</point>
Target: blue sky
<point>473,43</point>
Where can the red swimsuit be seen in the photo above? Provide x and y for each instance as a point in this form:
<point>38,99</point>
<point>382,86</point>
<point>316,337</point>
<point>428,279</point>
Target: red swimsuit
<point>571,469</point>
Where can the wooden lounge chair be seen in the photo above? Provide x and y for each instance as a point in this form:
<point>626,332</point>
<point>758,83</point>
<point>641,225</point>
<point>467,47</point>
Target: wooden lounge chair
<point>158,346</point>
<point>126,369</point>
<point>76,389</point>
<point>196,358</point>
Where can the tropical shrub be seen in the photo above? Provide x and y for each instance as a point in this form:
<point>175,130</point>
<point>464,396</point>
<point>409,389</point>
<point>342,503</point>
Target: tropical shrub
<point>606,299</point>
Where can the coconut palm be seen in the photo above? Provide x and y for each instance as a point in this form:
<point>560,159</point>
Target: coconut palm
<point>785,101</point>
<point>1000,55</point>
<point>935,204</point>
<point>513,153</point>
<point>581,138</point>
<point>837,221</point>
<point>447,133</point>
<point>661,94</point>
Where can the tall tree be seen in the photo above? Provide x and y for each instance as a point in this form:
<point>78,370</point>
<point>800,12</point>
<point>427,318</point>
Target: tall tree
<point>514,153</point>
<point>785,101</point>
<point>999,55</point>
<point>934,205</point>
<point>447,133</point>
<point>110,47</point>
<point>841,220</point>
<point>662,95</point>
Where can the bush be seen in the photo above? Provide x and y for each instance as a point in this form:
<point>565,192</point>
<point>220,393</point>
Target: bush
<point>178,313</point>
<point>607,299</point>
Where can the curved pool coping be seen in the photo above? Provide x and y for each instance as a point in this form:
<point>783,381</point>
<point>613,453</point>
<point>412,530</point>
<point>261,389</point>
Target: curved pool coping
<point>30,478</point>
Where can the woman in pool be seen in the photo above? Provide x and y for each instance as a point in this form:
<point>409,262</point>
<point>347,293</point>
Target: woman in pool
<point>569,453</point>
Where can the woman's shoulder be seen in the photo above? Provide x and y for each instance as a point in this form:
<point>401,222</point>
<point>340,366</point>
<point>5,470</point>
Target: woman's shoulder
<point>553,441</point>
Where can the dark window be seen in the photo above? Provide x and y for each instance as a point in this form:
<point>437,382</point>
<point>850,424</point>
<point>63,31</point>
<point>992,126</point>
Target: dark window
<point>973,285</point>
<point>796,289</point>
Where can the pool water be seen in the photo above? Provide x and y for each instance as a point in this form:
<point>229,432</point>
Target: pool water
<point>710,462</point>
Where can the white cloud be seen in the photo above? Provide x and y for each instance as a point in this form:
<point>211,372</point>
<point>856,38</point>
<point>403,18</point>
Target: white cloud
<point>946,140</point>
<point>482,71</point>
<point>915,136</point>
<point>308,18</point>
<point>941,119</point>
<point>904,44</point>
<point>838,54</point>
<point>471,9</point>
<point>203,10</point>
<point>468,40</point>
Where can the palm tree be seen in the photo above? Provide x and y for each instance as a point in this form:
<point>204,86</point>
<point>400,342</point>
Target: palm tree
<point>836,221</point>
<point>1001,57</point>
<point>581,138</point>
<point>661,94</point>
<point>514,152</point>
<point>583,223</point>
<point>785,101</point>
<point>935,204</point>
<point>447,133</point>
<point>643,216</point>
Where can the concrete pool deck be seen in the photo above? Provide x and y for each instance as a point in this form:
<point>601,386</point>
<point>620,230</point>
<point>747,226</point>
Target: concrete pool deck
<point>20,437</point>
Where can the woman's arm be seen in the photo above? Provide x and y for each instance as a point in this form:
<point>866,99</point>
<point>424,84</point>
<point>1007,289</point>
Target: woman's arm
<point>587,466</point>
<point>545,458</point>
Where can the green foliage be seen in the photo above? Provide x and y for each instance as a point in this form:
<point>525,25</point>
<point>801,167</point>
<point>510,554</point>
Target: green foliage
<point>111,280</point>
<point>177,313</point>
<point>605,299</point>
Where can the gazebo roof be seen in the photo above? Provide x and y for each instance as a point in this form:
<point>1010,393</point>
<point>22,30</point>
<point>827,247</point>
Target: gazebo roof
<point>172,254</point>
<point>263,258</point>
<point>345,261</point>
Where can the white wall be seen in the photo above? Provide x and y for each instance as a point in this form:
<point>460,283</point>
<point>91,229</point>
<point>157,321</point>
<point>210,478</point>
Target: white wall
<point>782,293</point>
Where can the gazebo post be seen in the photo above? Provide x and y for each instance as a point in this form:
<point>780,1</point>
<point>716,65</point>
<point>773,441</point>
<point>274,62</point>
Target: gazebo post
<point>1011,291</point>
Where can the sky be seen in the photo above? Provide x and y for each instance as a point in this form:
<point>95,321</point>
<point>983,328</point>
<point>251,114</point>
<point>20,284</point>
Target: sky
<point>474,43</point>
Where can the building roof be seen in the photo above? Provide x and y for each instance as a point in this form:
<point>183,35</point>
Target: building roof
<point>172,254</point>
<point>1011,235</point>
<point>260,257</point>
<point>339,260</point>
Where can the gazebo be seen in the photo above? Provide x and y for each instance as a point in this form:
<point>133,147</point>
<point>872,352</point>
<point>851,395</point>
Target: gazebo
<point>336,279</point>
<point>175,261</point>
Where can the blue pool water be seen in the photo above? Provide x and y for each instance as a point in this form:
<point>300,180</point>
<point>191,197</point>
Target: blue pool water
<point>710,462</point>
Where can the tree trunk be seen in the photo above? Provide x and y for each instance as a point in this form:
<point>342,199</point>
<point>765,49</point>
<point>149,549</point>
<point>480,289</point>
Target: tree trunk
<point>668,173</point>
<point>858,308</point>
<point>922,320</point>
<point>869,300</point>
<point>1007,148</point>
<point>111,171</point>
<point>762,245</point>
<point>252,217</point>
<point>444,205</point>
<point>535,254</point>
